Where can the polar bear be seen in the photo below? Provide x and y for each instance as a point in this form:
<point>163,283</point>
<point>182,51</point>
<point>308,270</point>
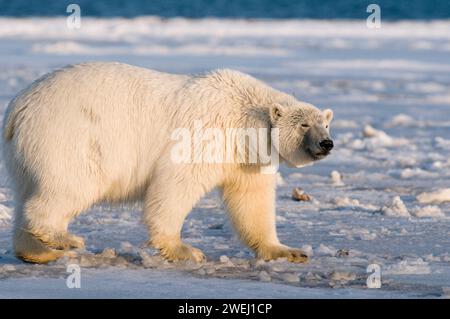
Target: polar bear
<point>102,132</point>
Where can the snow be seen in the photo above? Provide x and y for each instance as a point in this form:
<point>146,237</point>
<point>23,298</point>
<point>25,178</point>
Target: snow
<point>381,197</point>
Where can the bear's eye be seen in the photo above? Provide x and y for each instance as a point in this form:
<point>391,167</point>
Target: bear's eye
<point>326,126</point>
<point>305,125</point>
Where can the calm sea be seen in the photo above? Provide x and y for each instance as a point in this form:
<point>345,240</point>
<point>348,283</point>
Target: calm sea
<point>277,9</point>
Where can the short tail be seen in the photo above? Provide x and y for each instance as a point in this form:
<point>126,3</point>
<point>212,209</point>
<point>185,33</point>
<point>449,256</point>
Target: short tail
<point>30,249</point>
<point>9,121</point>
<point>8,130</point>
<point>12,117</point>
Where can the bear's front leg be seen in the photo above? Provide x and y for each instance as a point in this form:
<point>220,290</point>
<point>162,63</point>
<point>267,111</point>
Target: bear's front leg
<point>250,200</point>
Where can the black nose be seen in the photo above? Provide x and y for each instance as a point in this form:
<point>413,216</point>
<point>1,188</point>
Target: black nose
<point>326,145</point>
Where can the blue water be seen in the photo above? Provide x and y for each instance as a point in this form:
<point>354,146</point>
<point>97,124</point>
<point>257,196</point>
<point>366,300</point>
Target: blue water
<point>277,9</point>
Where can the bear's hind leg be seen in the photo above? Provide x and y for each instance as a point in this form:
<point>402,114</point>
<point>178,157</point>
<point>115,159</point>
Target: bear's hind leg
<point>41,228</point>
<point>250,201</point>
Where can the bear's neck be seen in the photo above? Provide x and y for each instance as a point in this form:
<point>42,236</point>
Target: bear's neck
<point>245,90</point>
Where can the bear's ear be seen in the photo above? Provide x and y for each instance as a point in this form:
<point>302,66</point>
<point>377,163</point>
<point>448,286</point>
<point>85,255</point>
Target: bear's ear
<point>276,111</point>
<point>328,113</point>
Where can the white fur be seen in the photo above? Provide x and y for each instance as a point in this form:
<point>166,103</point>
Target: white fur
<point>99,132</point>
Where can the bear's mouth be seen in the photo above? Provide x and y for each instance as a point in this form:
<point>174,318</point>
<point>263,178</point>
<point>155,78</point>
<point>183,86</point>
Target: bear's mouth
<point>317,156</point>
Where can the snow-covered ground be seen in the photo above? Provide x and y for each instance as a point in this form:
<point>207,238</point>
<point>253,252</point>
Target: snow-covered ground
<point>387,202</point>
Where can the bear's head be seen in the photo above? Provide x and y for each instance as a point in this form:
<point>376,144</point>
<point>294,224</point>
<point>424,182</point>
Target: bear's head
<point>304,132</point>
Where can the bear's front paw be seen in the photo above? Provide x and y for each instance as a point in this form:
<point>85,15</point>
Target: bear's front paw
<point>182,252</point>
<point>280,251</point>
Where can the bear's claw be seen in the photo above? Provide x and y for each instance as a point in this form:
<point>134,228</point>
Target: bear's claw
<point>63,241</point>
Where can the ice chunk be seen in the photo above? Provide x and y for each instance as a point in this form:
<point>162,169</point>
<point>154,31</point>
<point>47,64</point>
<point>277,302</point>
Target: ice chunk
<point>358,233</point>
<point>308,250</point>
<point>342,276</point>
<point>280,180</point>
<point>396,209</point>
<point>428,211</point>
<point>336,178</point>
<point>408,267</point>
<point>326,250</point>
<point>108,253</point>
<point>441,164</point>
<point>375,139</point>
<point>201,272</point>
<point>431,257</point>
<point>224,259</point>
<point>5,212</point>
<point>7,268</point>
<point>210,270</point>
<point>416,172</point>
<point>445,292</point>
<point>264,276</point>
<point>348,202</point>
<point>401,120</point>
<point>436,197</point>
<point>296,176</point>
<point>290,277</point>
<point>442,143</point>
<point>149,261</point>
<point>369,131</point>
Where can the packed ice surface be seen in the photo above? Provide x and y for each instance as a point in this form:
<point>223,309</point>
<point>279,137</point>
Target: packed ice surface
<point>380,198</point>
